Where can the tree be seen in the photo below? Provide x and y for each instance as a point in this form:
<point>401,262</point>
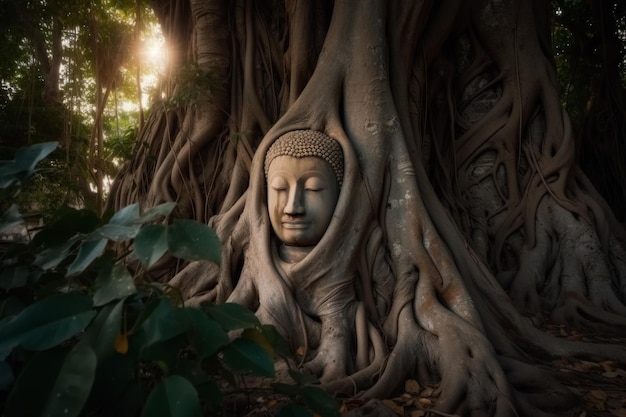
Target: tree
<point>590,61</point>
<point>64,58</point>
<point>458,156</point>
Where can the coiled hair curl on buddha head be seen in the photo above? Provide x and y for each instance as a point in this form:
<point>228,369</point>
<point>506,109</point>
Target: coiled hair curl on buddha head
<point>305,143</point>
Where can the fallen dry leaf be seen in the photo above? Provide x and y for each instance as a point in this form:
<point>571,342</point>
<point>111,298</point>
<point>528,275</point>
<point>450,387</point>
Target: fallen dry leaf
<point>596,399</point>
<point>412,386</point>
<point>394,407</point>
<point>598,394</point>
<point>425,402</point>
<point>608,365</point>
<point>428,392</point>
<point>590,365</point>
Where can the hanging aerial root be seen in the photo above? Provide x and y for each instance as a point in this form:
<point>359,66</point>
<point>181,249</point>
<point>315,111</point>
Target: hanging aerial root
<point>362,342</point>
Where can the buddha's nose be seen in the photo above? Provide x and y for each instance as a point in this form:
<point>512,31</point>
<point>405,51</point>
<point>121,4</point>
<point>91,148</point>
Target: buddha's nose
<point>294,204</point>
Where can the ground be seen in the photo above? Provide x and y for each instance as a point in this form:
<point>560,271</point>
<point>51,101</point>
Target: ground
<point>600,386</point>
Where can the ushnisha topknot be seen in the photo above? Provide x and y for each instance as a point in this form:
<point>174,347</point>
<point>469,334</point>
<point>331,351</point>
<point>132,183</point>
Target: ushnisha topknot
<point>303,143</point>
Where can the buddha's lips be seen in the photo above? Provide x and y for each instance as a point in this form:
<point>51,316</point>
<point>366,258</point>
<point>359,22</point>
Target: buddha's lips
<point>295,224</point>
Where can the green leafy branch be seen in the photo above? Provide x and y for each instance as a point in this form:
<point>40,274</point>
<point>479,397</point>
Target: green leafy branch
<point>80,335</point>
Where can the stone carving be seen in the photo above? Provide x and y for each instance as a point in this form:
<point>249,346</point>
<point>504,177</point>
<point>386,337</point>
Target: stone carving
<point>304,172</point>
<point>291,257</point>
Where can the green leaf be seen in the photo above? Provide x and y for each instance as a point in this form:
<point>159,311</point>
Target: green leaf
<point>206,336</point>
<point>46,323</point>
<point>165,353</point>
<point>278,342</point>
<point>126,223</point>
<point>13,277</point>
<point>117,232</point>
<point>67,222</point>
<point>88,252</point>
<point>73,384</point>
<point>27,158</point>
<point>174,397</point>
<point>232,316</point>
<point>127,216</point>
<point>248,356</point>
<point>156,212</point>
<point>50,258</point>
<point>33,384</point>
<point>320,401</point>
<point>165,322</point>
<point>11,218</point>
<point>101,334</point>
<point>113,283</point>
<point>151,244</point>
<point>255,334</point>
<point>145,311</point>
<point>6,376</point>
<point>12,172</point>
<point>294,410</point>
<point>193,241</point>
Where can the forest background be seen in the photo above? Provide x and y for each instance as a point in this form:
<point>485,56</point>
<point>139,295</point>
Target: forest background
<point>85,74</point>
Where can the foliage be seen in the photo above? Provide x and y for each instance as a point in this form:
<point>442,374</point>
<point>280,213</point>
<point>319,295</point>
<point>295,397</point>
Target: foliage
<point>84,331</point>
<point>119,146</point>
<point>576,55</point>
<point>195,86</point>
<point>590,52</point>
<point>88,37</point>
<point>57,182</point>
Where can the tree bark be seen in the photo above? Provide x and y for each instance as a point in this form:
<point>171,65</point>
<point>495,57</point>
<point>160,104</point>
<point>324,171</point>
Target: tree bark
<point>458,160</point>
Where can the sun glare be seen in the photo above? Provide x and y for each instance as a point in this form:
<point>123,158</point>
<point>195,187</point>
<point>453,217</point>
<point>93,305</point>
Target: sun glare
<point>155,50</point>
<point>154,55</point>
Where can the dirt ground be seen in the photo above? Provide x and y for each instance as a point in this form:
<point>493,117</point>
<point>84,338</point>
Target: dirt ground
<point>600,387</point>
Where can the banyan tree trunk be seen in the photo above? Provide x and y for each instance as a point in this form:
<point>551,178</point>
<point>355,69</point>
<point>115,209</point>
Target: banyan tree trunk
<point>459,186</point>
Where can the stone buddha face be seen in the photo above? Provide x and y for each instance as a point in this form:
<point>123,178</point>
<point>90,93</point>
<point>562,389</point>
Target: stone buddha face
<point>301,198</point>
<point>304,172</point>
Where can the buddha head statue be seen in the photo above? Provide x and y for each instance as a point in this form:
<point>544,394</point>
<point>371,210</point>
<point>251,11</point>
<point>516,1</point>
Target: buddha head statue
<point>304,173</point>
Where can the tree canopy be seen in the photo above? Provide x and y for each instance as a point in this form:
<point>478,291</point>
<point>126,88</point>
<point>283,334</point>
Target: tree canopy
<point>68,67</point>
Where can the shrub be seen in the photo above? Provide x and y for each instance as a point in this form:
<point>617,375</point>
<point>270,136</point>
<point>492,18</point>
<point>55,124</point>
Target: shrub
<point>84,333</point>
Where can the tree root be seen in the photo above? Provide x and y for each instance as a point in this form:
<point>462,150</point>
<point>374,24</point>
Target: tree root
<point>572,275</point>
<point>393,290</point>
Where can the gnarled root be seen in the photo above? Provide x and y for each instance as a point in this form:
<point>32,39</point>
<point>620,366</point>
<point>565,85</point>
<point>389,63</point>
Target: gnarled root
<point>569,273</point>
<point>434,343</point>
<point>333,357</point>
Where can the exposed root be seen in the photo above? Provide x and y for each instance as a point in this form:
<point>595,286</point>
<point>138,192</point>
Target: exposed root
<point>406,356</point>
<point>393,290</point>
<point>535,390</point>
<point>568,273</point>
